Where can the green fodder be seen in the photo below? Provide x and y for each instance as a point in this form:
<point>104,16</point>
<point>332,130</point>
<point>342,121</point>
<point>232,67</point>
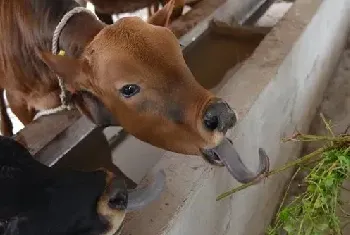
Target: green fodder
<point>314,212</point>
<point>318,210</point>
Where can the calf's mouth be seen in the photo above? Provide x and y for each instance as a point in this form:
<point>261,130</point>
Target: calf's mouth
<point>225,154</point>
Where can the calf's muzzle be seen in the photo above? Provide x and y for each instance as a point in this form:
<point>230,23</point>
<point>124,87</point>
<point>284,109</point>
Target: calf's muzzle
<point>219,117</point>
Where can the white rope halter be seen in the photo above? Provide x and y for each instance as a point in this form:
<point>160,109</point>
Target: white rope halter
<point>64,96</point>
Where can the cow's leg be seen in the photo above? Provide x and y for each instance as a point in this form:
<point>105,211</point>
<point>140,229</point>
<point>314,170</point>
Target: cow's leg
<point>6,124</point>
<point>82,3</point>
<point>149,11</point>
<point>153,8</point>
<point>20,108</point>
<point>106,18</point>
<point>191,3</point>
<point>178,8</point>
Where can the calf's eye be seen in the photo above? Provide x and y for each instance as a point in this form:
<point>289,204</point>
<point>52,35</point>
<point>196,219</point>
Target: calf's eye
<point>129,90</point>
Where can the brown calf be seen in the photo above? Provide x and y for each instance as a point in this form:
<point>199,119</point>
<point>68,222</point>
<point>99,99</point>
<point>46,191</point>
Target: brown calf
<point>130,73</point>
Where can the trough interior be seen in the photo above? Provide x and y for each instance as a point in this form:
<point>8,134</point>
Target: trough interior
<point>220,48</point>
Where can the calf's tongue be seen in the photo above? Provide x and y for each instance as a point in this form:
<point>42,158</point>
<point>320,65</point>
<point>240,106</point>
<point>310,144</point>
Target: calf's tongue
<point>233,162</point>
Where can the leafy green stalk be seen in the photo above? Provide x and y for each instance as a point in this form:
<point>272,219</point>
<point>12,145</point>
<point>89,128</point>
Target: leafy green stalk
<point>314,211</point>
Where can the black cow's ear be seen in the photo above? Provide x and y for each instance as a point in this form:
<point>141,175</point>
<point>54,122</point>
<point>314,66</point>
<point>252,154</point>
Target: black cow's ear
<point>93,108</point>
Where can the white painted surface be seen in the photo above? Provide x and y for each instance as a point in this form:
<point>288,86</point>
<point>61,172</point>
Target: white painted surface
<point>134,158</point>
<point>275,91</point>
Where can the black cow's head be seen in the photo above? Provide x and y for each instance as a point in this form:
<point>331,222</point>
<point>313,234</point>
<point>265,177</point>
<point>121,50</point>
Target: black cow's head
<point>36,199</point>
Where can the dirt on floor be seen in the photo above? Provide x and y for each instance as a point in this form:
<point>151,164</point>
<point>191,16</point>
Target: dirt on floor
<point>335,107</point>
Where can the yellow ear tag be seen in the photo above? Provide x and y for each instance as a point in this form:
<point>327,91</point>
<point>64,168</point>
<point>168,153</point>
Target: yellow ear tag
<point>61,53</point>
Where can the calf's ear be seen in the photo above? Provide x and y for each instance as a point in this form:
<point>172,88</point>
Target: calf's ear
<point>73,72</point>
<point>67,68</point>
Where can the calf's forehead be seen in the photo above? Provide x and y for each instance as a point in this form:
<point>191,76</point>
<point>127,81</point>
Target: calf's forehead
<point>135,37</point>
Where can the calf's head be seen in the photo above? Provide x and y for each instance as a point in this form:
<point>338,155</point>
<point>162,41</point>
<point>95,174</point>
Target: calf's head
<point>133,74</point>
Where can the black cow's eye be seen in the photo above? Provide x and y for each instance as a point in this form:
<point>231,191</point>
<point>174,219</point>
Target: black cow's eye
<point>130,90</point>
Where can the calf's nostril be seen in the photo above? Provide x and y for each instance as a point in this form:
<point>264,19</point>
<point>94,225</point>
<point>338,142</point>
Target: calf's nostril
<point>211,122</point>
<point>219,116</point>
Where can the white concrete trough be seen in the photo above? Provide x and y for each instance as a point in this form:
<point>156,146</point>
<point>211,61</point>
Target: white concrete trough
<point>275,91</point>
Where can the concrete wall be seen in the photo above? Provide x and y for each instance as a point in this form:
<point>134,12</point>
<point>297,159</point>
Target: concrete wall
<point>275,92</point>
<point>132,156</point>
<point>287,103</point>
<point>230,13</point>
